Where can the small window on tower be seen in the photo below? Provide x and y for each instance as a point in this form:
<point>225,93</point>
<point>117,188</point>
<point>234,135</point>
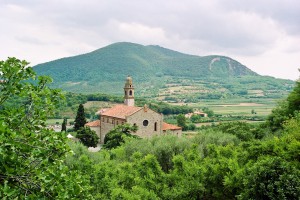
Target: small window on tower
<point>130,92</point>
<point>155,126</point>
<point>125,93</point>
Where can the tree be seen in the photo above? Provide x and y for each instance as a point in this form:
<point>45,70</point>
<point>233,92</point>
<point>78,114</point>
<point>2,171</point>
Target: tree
<point>115,137</point>
<point>31,155</point>
<point>80,120</point>
<point>64,125</point>
<point>87,136</point>
<point>181,121</point>
<point>294,99</point>
<point>208,111</point>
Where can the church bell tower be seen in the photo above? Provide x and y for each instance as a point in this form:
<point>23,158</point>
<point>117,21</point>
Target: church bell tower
<point>128,92</point>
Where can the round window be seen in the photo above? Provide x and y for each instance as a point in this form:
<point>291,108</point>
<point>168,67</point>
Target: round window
<point>145,122</point>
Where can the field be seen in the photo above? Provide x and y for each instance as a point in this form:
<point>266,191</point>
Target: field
<point>244,107</point>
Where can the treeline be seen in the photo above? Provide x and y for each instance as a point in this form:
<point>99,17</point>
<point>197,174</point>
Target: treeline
<point>168,109</point>
<point>72,100</point>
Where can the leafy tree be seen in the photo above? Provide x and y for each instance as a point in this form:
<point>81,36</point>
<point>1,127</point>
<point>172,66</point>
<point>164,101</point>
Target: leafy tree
<point>31,155</point>
<point>271,178</point>
<point>87,136</point>
<point>294,99</point>
<point>241,129</point>
<point>64,125</point>
<point>80,120</point>
<point>208,111</point>
<point>181,121</point>
<point>115,137</point>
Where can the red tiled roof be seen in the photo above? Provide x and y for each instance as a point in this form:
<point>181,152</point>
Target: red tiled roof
<point>167,126</point>
<point>121,111</point>
<point>93,123</point>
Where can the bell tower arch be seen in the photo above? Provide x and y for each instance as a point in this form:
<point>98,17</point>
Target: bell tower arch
<point>129,92</point>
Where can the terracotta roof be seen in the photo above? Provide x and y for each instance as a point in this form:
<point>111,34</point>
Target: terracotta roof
<point>167,126</point>
<point>93,123</point>
<point>121,111</point>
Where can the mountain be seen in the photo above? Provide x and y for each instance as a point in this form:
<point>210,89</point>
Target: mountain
<point>153,69</point>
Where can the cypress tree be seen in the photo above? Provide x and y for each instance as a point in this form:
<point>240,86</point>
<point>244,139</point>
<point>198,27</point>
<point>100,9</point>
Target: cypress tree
<point>80,120</point>
<point>64,125</point>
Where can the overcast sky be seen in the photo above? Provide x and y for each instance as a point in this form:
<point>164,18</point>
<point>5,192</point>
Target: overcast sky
<point>264,35</point>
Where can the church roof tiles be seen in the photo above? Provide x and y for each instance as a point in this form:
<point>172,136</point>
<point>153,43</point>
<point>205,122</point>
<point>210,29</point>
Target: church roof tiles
<point>167,126</point>
<point>93,123</point>
<point>121,111</point>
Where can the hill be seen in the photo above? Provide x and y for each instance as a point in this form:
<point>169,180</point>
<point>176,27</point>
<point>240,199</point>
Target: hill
<point>158,71</point>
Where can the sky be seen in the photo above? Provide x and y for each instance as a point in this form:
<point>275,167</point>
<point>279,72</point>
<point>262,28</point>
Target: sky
<point>263,35</point>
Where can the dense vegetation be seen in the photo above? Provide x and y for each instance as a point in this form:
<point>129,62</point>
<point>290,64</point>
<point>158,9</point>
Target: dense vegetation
<point>32,156</point>
<point>160,73</point>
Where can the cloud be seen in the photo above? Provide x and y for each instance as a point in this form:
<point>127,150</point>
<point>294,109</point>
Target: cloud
<point>246,30</point>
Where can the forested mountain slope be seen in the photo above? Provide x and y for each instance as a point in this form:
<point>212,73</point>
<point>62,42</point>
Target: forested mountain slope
<point>154,70</point>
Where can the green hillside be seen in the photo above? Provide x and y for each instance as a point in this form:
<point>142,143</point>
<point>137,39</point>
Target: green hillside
<point>156,71</point>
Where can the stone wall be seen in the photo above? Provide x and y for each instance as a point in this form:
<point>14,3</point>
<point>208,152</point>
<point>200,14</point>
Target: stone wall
<point>107,124</point>
<point>177,133</point>
<point>97,130</point>
<point>145,119</point>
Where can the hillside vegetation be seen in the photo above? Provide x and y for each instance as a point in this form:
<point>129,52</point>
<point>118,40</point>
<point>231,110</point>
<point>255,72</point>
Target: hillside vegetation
<point>161,73</point>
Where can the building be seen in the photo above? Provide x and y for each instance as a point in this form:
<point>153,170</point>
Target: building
<point>149,122</point>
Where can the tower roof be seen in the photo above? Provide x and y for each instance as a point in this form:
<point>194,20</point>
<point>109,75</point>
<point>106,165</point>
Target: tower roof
<point>128,82</point>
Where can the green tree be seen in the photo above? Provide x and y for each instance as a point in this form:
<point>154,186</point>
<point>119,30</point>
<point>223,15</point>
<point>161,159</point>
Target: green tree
<point>271,178</point>
<point>181,121</point>
<point>31,155</point>
<point>80,120</point>
<point>64,125</point>
<point>87,136</point>
<point>115,137</point>
<point>294,99</point>
<point>209,112</point>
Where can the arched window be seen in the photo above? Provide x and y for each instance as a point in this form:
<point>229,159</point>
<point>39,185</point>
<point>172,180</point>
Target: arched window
<point>130,92</point>
<point>155,126</point>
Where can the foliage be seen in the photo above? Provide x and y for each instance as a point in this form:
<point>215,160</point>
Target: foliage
<point>294,99</point>
<point>168,109</point>
<point>240,129</point>
<point>208,111</point>
<point>64,125</point>
<point>80,119</point>
<point>31,155</point>
<point>181,121</point>
<point>212,165</point>
<point>115,137</point>
<point>87,136</point>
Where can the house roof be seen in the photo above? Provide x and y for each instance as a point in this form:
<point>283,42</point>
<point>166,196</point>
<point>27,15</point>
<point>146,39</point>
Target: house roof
<point>121,111</point>
<point>167,126</point>
<point>93,123</point>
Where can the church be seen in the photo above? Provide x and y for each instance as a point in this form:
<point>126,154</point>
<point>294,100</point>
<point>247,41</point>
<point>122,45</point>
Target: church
<point>149,122</point>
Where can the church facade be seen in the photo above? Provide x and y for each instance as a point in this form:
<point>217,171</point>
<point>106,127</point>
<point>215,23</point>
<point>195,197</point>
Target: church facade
<point>149,122</point>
